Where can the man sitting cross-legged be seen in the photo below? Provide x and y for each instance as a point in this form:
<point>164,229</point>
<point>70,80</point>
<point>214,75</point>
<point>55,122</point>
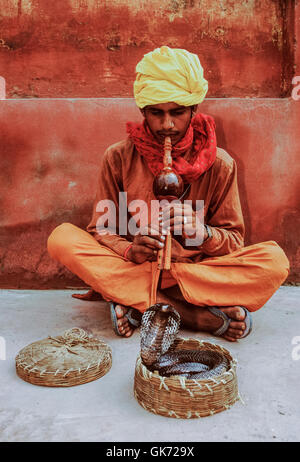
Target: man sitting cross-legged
<point>214,285</point>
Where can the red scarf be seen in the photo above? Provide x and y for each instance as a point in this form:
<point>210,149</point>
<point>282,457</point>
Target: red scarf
<point>200,135</point>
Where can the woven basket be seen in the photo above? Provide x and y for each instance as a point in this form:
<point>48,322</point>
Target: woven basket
<point>184,398</point>
<point>63,361</point>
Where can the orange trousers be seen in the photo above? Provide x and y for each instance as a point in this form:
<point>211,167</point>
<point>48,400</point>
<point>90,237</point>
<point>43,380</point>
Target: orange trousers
<point>247,277</point>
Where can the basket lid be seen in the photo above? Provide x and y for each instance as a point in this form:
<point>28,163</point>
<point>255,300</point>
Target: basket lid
<point>72,358</point>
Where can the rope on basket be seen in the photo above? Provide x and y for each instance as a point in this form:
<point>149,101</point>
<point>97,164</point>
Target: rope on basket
<point>72,337</point>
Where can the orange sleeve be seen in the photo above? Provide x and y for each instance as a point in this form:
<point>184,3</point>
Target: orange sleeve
<point>224,215</point>
<point>108,188</point>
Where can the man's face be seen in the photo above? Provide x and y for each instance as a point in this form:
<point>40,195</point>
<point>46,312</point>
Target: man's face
<point>168,119</point>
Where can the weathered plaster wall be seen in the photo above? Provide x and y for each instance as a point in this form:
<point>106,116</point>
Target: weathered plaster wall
<point>50,153</point>
<point>50,148</point>
<point>297,38</point>
<point>89,48</point>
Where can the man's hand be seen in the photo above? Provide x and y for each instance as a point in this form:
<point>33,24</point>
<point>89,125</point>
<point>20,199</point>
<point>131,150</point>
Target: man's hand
<point>182,220</point>
<point>146,245</point>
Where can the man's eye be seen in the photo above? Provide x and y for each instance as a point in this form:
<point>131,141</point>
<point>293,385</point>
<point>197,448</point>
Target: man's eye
<point>179,112</point>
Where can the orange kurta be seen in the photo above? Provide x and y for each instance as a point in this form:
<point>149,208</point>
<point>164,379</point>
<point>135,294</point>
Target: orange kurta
<point>220,272</point>
<point>123,169</point>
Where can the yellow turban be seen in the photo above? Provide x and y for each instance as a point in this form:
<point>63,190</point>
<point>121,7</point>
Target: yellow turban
<point>169,75</point>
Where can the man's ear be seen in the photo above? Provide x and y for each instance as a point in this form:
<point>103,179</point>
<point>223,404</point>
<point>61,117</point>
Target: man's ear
<point>142,111</point>
<point>194,109</point>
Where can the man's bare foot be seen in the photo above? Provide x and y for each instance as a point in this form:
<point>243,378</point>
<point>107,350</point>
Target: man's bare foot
<point>125,328</point>
<point>201,319</point>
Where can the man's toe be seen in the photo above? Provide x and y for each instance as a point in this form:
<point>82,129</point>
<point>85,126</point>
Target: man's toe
<point>120,312</point>
<point>240,313</point>
<point>228,337</point>
<point>121,321</point>
<point>238,325</point>
<point>234,332</point>
<point>129,333</point>
<point>235,313</point>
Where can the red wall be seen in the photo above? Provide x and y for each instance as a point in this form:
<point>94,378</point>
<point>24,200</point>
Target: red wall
<point>89,48</point>
<point>50,153</point>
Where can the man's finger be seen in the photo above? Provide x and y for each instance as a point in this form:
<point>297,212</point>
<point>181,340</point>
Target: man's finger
<point>154,231</point>
<point>177,221</point>
<point>142,249</point>
<point>150,242</point>
<point>159,236</point>
<point>177,212</point>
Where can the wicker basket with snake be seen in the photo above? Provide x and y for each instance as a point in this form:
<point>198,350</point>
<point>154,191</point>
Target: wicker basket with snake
<point>159,328</point>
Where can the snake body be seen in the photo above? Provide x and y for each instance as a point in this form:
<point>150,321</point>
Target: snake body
<point>159,328</point>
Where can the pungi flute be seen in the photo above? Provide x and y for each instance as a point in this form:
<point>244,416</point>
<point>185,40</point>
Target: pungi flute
<point>168,186</point>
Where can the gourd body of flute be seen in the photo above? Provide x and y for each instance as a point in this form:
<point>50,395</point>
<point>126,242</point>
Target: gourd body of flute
<point>167,184</point>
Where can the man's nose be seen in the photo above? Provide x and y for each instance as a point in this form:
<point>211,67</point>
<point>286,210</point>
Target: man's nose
<point>168,122</point>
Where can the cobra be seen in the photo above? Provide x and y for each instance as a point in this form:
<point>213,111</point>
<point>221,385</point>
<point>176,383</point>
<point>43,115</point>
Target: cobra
<point>159,327</point>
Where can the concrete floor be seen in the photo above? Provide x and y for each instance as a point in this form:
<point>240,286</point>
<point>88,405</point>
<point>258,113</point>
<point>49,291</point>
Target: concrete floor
<point>106,410</point>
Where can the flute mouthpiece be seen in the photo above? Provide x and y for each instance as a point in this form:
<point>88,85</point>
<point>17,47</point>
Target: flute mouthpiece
<point>168,143</point>
<point>167,152</point>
